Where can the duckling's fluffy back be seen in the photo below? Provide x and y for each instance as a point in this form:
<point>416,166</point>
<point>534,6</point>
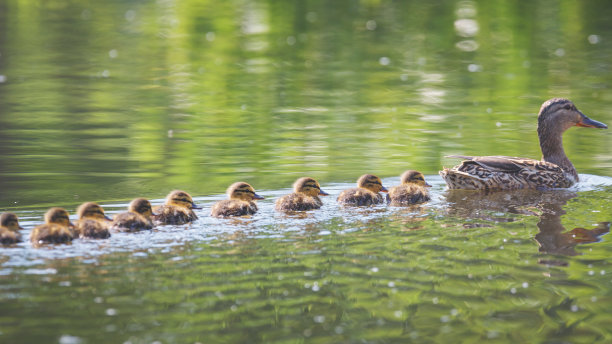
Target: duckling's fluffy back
<point>51,233</point>
<point>407,194</point>
<point>298,202</point>
<point>359,197</point>
<point>233,207</point>
<point>92,228</point>
<point>131,222</point>
<point>8,237</point>
<point>168,214</point>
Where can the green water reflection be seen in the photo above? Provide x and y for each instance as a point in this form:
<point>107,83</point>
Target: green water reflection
<point>110,100</point>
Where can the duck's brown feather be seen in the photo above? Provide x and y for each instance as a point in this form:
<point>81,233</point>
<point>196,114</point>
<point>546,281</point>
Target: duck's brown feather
<point>505,173</point>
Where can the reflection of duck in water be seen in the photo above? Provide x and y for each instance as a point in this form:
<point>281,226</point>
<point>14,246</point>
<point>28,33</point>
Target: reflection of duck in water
<point>548,205</point>
<point>137,218</point>
<point>93,223</point>
<point>305,196</point>
<point>366,193</point>
<point>241,201</point>
<point>177,210</point>
<point>413,190</point>
<point>502,173</point>
<point>9,229</point>
<point>56,229</point>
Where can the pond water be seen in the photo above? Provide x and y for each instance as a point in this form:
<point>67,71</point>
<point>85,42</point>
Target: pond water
<point>113,100</point>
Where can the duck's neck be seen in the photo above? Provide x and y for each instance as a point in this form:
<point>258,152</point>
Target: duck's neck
<point>551,144</point>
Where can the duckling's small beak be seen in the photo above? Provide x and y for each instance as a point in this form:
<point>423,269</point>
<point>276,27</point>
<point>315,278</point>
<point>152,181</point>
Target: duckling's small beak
<point>107,218</point>
<point>195,206</point>
<point>384,189</point>
<point>256,196</point>
<point>19,227</point>
<point>70,224</point>
<point>590,123</point>
<point>427,185</point>
<point>323,193</point>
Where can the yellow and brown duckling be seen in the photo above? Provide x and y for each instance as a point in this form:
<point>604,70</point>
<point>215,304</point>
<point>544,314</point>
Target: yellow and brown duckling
<point>305,196</point>
<point>241,201</point>
<point>177,210</point>
<point>413,190</point>
<point>9,229</point>
<point>138,217</point>
<point>366,193</point>
<point>92,223</point>
<point>554,170</point>
<point>56,229</point>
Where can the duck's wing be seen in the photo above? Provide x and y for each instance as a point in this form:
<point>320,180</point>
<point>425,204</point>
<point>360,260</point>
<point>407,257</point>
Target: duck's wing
<point>498,163</point>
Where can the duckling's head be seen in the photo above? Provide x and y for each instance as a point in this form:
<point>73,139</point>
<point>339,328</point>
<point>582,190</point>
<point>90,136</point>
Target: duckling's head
<point>308,186</point>
<point>371,182</point>
<point>141,206</point>
<point>413,177</point>
<point>10,221</point>
<point>91,210</point>
<point>242,191</point>
<point>559,114</point>
<point>181,199</point>
<point>58,216</point>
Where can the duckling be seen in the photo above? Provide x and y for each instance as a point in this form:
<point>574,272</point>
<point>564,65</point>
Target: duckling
<point>554,170</point>
<point>56,229</point>
<point>241,201</point>
<point>177,209</point>
<point>411,191</point>
<point>136,219</point>
<point>305,196</point>
<point>92,221</point>
<point>9,226</point>
<point>366,193</point>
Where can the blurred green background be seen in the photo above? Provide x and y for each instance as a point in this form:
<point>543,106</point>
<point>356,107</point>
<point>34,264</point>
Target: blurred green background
<point>117,99</point>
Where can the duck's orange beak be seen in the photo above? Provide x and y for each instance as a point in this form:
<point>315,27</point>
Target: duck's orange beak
<point>383,189</point>
<point>323,193</point>
<point>590,123</point>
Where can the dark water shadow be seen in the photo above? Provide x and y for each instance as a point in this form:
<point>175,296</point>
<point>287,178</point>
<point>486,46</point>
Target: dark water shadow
<point>552,238</point>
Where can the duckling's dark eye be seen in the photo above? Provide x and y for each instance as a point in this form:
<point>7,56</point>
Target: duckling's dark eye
<point>567,107</point>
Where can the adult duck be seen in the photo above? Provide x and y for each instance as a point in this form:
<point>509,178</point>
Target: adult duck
<point>555,170</point>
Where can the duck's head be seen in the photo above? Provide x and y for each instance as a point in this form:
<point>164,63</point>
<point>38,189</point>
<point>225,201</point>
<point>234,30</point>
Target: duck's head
<point>10,221</point>
<point>141,206</point>
<point>181,199</point>
<point>242,191</point>
<point>58,216</point>
<point>413,177</point>
<point>371,182</point>
<point>559,114</point>
<point>308,186</point>
<point>91,210</point>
